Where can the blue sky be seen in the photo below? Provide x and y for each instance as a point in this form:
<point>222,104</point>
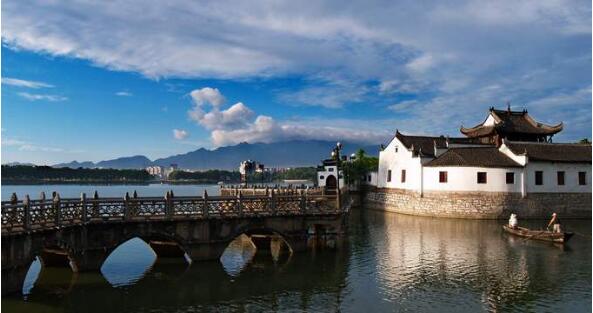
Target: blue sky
<point>95,80</point>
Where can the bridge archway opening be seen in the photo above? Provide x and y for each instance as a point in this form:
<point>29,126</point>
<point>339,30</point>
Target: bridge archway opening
<point>129,262</point>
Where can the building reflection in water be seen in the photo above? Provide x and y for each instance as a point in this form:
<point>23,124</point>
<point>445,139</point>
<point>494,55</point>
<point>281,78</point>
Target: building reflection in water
<point>468,264</point>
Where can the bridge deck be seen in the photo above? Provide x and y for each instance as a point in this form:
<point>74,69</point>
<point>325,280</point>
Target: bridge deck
<point>35,215</point>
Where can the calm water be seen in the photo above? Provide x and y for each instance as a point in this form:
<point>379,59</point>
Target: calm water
<point>391,263</point>
<point>74,191</point>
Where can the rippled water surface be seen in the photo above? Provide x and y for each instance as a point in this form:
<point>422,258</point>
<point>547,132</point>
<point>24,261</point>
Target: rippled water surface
<point>390,263</point>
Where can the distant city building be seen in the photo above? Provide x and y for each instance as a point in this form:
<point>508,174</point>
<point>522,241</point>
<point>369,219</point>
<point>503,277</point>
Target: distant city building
<point>250,167</point>
<point>157,171</point>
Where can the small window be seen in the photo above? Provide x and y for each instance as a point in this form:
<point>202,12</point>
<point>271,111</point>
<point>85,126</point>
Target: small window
<point>369,178</point>
<point>539,178</point>
<point>403,176</point>
<point>442,177</point>
<point>389,175</point>
<point>321,177</point>
<point>331,169</point>
<point>560,177</point>
<point>582,178</point>
<point>510,178</point>
<point>482,177</point>
<point>396,149</point>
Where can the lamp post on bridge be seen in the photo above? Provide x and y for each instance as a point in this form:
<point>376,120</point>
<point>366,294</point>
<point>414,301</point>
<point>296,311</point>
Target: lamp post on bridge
<point>336,154</point>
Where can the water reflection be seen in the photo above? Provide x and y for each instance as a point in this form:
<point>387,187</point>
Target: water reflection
<point>427,263</point>
<point>237,255</point>
<point>128,262</point>
<point>393,263</point>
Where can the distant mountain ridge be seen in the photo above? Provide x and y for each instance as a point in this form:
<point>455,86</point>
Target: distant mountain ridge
<point>280,154</point>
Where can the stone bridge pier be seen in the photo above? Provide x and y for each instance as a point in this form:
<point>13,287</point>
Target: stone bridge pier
<point>85,247</point>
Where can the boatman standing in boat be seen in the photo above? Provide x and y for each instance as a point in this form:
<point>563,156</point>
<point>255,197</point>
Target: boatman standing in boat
<point>556,222</point>
<point>513,222</point>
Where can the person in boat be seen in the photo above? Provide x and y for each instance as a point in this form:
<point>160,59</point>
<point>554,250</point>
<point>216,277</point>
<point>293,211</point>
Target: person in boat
<point>513,222</point>
<point>555,221</point>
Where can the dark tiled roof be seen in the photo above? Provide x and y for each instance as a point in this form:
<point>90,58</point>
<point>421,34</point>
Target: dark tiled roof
<point>552,152</point>
<point>329,162</point>
<point>511,122</point>
<point>421,144</point>
<point>475,157</point>
<point>425,144</point>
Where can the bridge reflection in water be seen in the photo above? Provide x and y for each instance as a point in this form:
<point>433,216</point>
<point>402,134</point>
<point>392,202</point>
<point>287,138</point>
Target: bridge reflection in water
<point>295,280</point>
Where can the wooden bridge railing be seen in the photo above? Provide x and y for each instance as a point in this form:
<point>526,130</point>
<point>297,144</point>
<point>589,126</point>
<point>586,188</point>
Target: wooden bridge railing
<point>32,215</point>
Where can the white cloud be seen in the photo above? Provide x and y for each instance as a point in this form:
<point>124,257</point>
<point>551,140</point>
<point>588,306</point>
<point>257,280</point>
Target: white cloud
<point>35,97</point>
<point>238,124</point>
<point>404,106</point>
<point>124,94</point>
<point>28,146</point>
<point>449,52</point>
<point>326,91</point>
<point>421,64</point>
<point>180,134</point>
<point>207,96</point>
<point>24,83</point>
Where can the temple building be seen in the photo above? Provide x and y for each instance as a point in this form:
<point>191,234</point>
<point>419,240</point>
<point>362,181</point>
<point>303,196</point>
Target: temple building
<point>507,164</point>
<point>511,125</point>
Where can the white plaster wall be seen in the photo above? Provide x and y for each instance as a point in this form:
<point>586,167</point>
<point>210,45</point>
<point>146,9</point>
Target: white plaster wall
<point>397,161</point>
<point>550,182</point>
<point>329,170</point>
<point>466,179</point>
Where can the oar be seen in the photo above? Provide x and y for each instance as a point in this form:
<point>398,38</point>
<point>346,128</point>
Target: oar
<point>541,232</point>
<point>577,233</point>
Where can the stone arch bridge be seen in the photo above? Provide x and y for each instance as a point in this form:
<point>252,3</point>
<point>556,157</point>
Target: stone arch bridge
<point>81,233</point>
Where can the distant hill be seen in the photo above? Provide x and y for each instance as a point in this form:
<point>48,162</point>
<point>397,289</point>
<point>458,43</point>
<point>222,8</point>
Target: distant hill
<point>75,164</point>
<point>279,154</point>
<point>133,162</point>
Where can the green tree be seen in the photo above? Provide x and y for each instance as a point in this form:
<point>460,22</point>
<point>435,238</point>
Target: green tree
<point>355,171</point>
<point>585,141</point>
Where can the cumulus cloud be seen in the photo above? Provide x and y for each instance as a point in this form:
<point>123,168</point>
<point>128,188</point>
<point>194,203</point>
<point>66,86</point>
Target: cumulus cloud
<point>207,110</point>
<point>24,83</point>
<point>207,95</point>
<point>239,123</point>
<point>36,97</point>
<point>180,134</point>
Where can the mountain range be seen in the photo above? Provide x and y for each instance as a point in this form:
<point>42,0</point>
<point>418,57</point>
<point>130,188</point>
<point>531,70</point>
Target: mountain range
<point>279,154</point>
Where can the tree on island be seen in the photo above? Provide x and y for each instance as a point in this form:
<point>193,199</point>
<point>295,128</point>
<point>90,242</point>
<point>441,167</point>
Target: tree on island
<point>584,141</point>
<point>355,171</point>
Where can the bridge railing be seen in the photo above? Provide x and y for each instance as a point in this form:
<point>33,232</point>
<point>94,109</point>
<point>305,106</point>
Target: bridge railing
<point>31,215</point>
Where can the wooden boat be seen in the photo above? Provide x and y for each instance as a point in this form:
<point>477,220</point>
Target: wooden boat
<point>542,235</point>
